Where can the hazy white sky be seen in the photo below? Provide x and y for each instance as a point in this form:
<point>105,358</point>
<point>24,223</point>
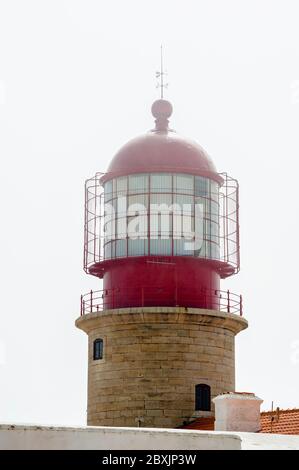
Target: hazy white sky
<point>76,82</point>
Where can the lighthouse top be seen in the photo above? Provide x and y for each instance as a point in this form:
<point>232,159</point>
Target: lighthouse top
<point>162,150</point>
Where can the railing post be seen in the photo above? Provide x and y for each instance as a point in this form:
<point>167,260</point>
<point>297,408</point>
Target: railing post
<point>228,301</point>
<point>91,301</point>
<point>218,299</point>
<point>241,306</point>
<point>81,305</point>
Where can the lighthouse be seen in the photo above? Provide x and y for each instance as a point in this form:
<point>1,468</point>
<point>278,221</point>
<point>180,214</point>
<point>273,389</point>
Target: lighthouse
<point>161,231</point>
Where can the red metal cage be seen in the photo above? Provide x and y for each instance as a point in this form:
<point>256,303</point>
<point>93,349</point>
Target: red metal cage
<point>223,245</point>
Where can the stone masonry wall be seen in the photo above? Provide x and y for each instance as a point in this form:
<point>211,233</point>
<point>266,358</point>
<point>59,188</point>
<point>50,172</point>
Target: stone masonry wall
<point>152,360</point>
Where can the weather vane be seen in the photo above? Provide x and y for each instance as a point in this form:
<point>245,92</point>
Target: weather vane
<point>160,75</point>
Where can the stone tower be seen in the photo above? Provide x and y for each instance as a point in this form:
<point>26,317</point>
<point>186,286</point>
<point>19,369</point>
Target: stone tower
<point>161,230</point>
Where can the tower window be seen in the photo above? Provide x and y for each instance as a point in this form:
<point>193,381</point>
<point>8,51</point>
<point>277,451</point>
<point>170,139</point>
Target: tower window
<point>203,397</point>
<point>98,349</point>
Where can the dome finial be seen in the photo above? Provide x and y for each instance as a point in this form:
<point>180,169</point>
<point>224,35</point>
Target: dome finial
<point>161,110</point>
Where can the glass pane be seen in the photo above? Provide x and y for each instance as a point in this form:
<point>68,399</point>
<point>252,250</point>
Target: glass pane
<point>155,223</point>
<point>137,204</point>
<point>121,227</point>
<point>121,185</point>
<point>120,248</point>
<point>109,229</point>
<point>161,183</point>
<point>113,249</point>
<point>214,229</point>
<point>108,190</point>
<point>137,227</point>
<point>214,211</point>
<point>138,183</point>
<point>161,199</point>
<point>177,225</point>
<point>215,251</point>
<point>121,205</point>
<point>160,247</point>
<point>188,226</point>
<point>207,208</point>
<point>207,247</point>
<point>161,215</point>
<point>201,186</point>
<point>180,248</point>
<point>185,203</point>
<point>184,184</point>
<point>114,187</point>
<point>214,191</point>
<point>137,247</point>
<point>107,250</point>
<point>207,227</point>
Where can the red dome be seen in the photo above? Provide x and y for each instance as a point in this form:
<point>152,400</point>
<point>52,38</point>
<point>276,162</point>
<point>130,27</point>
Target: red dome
<point>161,150</point>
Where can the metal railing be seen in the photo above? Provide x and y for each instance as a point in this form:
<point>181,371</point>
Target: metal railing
<point>99,300</point>
<point>221,214</point>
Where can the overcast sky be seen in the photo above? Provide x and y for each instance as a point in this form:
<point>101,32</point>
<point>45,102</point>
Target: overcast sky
<point>77,79</point>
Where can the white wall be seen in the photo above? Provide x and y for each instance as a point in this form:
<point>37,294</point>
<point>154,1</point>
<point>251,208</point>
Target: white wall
<point>237,412</point>
<point>101,438</point>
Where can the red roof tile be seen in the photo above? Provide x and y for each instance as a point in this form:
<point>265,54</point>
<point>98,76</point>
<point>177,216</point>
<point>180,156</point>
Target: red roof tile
<point>283,422</point>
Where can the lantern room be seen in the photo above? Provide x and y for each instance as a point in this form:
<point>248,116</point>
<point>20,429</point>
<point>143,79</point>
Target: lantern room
<point>161,225</point>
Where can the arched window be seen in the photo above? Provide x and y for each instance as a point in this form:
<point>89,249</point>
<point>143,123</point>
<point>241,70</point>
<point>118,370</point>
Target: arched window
<point>203,397</point>
<point>97,349</point>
